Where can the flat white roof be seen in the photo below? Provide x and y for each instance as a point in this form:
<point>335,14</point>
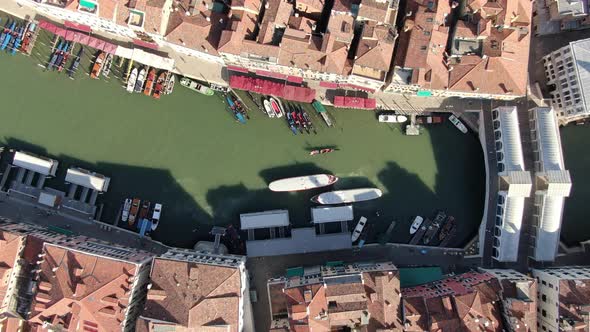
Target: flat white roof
<point>549,142</point>
<point>35,163</point>
<point>87,179</point>
<point>511,143</point>
<point>266,219</point>
<point>547,239</point>
<point>510,230</point>
<point>321,215</point>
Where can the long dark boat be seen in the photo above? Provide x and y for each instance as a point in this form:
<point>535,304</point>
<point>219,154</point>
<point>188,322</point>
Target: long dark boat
<point>439,219</point>
<point>4,32</point>
<point>302,120</point>
<point>76,63</point>
<point>307,119</point>
<point>291,123</point>
<point>66,55</point>
<point>159,86</point>
<point>18,39</point>
<point>420,233</point>
<point>27,37</point>
<point>54,56</point>
<point>446,229</point>
<point>295,119</point>
<point>9,37</point>
<point>61,55</point>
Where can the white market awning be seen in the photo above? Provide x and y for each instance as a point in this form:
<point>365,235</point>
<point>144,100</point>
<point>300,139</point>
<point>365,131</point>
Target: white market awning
<point>149,59</point>
<point>267,219</point>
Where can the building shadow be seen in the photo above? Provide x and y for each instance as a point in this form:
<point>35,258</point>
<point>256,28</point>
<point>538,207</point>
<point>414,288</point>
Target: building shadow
<point>183,221</point>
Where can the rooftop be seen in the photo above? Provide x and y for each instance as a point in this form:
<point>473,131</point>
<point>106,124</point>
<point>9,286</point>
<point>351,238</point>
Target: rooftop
<point>194,295</point>
<point>76,289</point>
<point>581,54</point>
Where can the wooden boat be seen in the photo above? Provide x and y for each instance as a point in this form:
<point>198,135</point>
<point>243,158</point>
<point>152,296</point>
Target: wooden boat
<point>188,83</point>
<point>27,37</point>
<point>322,151</point>
<point>144,210</point>
<point>234,108</point>
<point>7,35</point>
<point>64,58</point>
<point>446,229</point>
<point>133,211</point>
<point>76,63</point>
<point>458,124</point>
<point>60,56</point>
<point>97,67</point>
<point>54,56</point>
<point>159,85</point>
<point>433,229</point>
<point>13,35</point>
<point>18,40</point>
<point>126,209</point>
<point>392,118</point>
<point>358,230</point>
<point>132,79</point>
<point>149,84</point>
<point>291,123</point>
<point>171,79</point>
<point>268,108</point>
<point>276,108</point>
<point>108,62</point>
<point>140,80</point>
<point>307,119</point>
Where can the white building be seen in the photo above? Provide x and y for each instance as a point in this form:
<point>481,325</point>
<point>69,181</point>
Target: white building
<point>567,70</point>
<point>553,183</point>
<point>563,299</point>
<point>515,184</point>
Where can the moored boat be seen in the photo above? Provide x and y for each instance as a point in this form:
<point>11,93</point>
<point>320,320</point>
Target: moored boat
<point>416,224</point>
<point>306,182</point>
<point>392,118</point>
<point>458,124</point>
<point>140,80</point>
<point>145,208</point>
<point>291,123</point>
<point>131,80</point>
<point>188,83</point>
<point>159,86</point>
<point>97,67</point>
<point>108,62</point>
<point>170,81</point>
<point>149,84</point>
<point>156,216</point>
<point>7,35</point>
<point>276,108</point>
<point>268,108</point>
<point>358,230</point>
<point>76,63</point>
<point>347,196</point>
<point>446,229</point>
<point>133,211</point>
<point>322,111</point>
<point>126,209</point>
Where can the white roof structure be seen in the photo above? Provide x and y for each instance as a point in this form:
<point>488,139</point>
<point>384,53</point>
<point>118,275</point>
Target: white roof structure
<point>145,58</point>
<point>554,184</point>
<point>519,183</point>
<point>88,179</point>
<point>320,215</point>
<point>509,237</point>
<point>266,219</point>
<point>511,143</point>
<point>35,163</point>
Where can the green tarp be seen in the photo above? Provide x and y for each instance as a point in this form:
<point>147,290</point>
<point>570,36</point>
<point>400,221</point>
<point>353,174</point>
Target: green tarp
<point>409,277</point>
<point>295,272</point>
<point>88,4</point>
<point>423,93</point>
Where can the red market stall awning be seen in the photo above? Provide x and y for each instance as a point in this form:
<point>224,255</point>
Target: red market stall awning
<point>238,69</point>
<point>110,48</point>
<point>370,103</point>
<point>271,74</point>
<point>142,43</point>
<point>297,93</point>
<point>355,102</point>
<point>76,26</point>
<point>356,87</point>
<point>295,79</point>
<point>60,31</point>
<point>266,87</point>
<point>329,85</point>
<point>70,35</point>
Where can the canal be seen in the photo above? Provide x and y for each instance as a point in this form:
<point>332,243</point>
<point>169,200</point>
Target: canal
<point>186,152</point>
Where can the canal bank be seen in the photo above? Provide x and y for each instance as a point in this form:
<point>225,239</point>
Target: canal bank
<point>186,152</point>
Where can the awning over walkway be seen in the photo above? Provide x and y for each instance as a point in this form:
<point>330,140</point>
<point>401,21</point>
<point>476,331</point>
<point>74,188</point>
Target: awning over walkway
<point>320,215</point>
<point>87,179</point>
<point>35,163</point>
<point>142,43</point>
<point>78,37</point>
<point>238,69</point>
<point>267,219</point>
<point>76,26</point>
<point>266,87</point>
<point>354,102</point>
<point>271,74</point>
<point>146,58</point>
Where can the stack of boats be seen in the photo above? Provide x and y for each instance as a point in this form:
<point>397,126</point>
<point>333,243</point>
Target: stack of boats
<point>17,36</point>
<point>298,120</point>
<point>147,80</point>
<point>424,231</point>
<point>144,215</point>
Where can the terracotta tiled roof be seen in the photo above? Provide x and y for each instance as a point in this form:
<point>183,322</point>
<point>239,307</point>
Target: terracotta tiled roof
<point>201,31</point>
<point>151,8</point>
<point>311,6</point>
<point>342,6</point>
<point>9,248</point>
<point>194,296</point>
<point>232,37</point>
<point>341,27</point>
<point>107,9</point>
<point>521,310</point>
<point>574,298</point>
<point>78,289</point>
<point>376,50</point>
<point>374,10</point>
<point>416,315</point>
<point>251,6</point>
<point>465,29</point>
<point>302,23</point>
<point>278,12</point>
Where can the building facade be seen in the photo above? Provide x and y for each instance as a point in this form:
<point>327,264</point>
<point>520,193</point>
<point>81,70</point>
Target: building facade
<point>563,298</point>
<point>569,80</point>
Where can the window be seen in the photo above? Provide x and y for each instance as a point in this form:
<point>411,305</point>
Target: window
<point>544,298</point>
<point>544,313</point>
<point>544,282</point>
<point>426,33</point>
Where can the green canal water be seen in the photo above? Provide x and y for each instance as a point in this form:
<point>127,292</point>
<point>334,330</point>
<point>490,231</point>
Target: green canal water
<point>186,152</point>
<point>576,227</point>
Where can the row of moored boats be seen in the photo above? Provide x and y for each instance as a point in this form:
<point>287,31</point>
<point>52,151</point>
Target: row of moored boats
<point>16,36</point>
<point>142,214</point>
<point>149,82</point>
<point>428,232</point>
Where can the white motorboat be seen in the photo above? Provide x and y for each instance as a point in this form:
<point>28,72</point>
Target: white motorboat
<point>416,224</point>
<point>126,208</point>
<point>457,123</point>
<point>358,230</point>
<point>140,80</point>
<point>268,108</point>
<point>276,108</point>
<point>347,196</point>
<point>132,79</point>
<point>392,118</point>
<point>156,216</point>
<point>303,182</point>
